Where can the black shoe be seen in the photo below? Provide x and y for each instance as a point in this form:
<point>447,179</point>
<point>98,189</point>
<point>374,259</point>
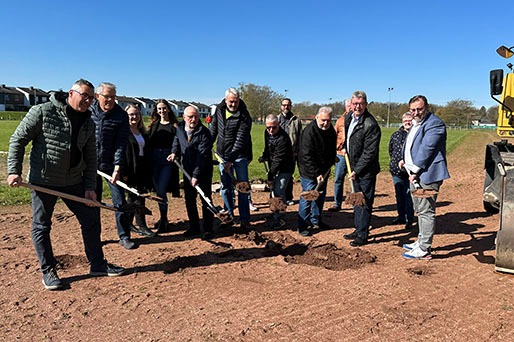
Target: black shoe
<point>352,236</point>
<point>320,226</point>
<point>358,242</point>
<point>51,280</point>
<point>408,226</point>
<point>398,220</point>
<point>163,226</point>
<point>334,208</point>
<point>134,229</point>
<point>207,236</point>
<point>145,231</point>
<point>191,232</point>
<point>109,270</point>
<point>304,231</point>
<point>244,228</point>
<point>127,244</point>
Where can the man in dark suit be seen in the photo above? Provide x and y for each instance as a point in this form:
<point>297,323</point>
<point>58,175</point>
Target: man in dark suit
<point>362,145</point>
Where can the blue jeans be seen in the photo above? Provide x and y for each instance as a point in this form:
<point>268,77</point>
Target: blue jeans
<point>118,201</point>
<point>404,205</point>
<point>43,205</point>
<point>309,212</point>
<point>339,181</point>
<point>240,166</point>
<point>162,174</point>
<point>362,213</point>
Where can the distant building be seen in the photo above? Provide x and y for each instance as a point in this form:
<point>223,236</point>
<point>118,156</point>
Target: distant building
<point>178,107</point>
<point>33,96</point>
<point>147,105</point>
<point>124,101</point>
<point>203,109</point>
<point>11,99</point>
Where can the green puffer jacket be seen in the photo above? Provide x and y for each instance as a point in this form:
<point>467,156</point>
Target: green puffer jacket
<point>49,129</point>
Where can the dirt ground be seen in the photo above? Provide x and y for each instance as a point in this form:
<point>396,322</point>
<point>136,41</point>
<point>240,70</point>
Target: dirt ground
<point>271,285</point>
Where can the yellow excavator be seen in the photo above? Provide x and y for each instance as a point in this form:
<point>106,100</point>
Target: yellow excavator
<point>498,193</point>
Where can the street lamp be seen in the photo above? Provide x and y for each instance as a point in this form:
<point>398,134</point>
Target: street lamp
<point>285,91</point>
<point>389,105</point>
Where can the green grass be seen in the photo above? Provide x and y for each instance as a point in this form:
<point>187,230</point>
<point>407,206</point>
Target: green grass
<point>11,196</point>
<point>7,128</point>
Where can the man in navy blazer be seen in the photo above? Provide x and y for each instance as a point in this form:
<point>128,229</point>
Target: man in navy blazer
<point>424,155</point>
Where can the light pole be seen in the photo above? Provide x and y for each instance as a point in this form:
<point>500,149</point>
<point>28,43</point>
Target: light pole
<point>389,105</point>
<point>285,91</point>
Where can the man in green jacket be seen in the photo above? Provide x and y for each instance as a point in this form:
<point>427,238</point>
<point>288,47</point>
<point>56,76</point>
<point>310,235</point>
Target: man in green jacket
<point>63,158</point>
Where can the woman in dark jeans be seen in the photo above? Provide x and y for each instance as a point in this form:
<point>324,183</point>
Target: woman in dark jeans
<point>137,172</point>
<point>165,174</point>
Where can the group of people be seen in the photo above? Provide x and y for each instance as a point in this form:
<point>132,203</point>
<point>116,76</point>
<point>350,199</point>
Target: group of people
<point>83,136</point>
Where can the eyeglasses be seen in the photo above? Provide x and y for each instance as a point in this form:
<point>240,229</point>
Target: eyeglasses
<point>359,104</point>
<point>286,105</point>
<point>85,96</point>
<point>107,97</point>
<point>271,127</point>
<point>417,110</point>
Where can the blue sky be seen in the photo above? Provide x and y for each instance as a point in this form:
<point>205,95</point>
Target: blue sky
<point>317,50</point>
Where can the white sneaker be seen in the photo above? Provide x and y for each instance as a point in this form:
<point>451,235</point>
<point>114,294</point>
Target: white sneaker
<point>411,246</point>
<point>417,253</point>
<point>253,208</point>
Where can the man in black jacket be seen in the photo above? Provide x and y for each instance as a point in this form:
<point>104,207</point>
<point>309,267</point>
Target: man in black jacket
<point>231,125</point>
<point>316,156</point>
<point>362,144</point>
<point>112,133</point>
<point>193,144</point>
<point>278,152</point>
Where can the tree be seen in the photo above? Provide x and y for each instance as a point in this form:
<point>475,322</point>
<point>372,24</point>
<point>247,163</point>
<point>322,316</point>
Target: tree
<point>260,100</point>
<point>457,112</point>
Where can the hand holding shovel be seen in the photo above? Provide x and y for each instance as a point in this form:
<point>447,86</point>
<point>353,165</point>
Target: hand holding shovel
<point>312,195</point>
<point>419,192</point>
<point>353,198</point>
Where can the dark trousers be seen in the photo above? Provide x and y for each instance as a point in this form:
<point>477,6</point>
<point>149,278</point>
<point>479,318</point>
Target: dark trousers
<point>362,213</point>
<point>190,194</point>
<point>118,200</point>
<point>43,205</point>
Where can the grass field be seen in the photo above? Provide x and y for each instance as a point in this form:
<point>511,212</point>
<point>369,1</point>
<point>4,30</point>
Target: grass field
<point>10,196</point>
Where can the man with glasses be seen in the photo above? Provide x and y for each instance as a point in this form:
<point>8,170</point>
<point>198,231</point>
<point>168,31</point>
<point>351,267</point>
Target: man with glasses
<point>292,125</point>
<point>62,158</point>
<point>424,158</point>
<point>193,145</point>
<point>278,152</point>
<point>231,125</point>
<point>362,144</point>
<point>316,156</point>
<point>112,134</point>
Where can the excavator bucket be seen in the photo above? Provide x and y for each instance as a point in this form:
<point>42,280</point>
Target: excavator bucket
<point>505,237</point>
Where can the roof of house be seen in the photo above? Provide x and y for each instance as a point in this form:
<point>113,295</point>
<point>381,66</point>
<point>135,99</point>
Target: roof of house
<point>9,90</point>
<point>30,90</point>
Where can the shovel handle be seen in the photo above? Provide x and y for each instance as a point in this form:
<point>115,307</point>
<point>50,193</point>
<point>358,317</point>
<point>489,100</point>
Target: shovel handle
<point>352,187</point>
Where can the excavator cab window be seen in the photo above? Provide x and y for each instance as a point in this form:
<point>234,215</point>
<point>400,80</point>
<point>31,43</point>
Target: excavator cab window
<point>496,79</point>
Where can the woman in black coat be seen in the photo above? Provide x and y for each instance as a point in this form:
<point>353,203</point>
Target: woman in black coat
<point>137,173</point>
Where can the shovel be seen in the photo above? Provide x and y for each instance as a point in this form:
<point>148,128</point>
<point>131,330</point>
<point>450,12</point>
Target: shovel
<point>312,195</point>
<point>128,188</point>
<point>242,187</point>
<point>276,204</point>
<point>216,211</point>
<point>68,196</point>
<point>419,192</point>
<point>353,198</point>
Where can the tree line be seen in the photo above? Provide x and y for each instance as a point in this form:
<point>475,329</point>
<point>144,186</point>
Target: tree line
<point>262,100</point>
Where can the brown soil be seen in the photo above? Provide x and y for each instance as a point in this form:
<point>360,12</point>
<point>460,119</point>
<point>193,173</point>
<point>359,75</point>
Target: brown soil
<point>271,285</point>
